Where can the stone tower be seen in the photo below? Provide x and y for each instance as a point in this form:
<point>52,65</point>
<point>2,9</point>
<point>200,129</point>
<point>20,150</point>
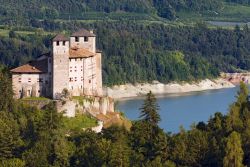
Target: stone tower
<point>60,65</point>
<point>84,39</point>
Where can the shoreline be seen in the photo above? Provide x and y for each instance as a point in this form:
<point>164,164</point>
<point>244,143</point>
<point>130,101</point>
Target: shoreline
<point>139,90</point>
<point>171,95</point>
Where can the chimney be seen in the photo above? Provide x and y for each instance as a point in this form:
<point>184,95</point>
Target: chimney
<point>91,31</point>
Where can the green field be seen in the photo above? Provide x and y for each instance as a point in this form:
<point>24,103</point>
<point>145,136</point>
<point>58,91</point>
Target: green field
<point>230,12</point>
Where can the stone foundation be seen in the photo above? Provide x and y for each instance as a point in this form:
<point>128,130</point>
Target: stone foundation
<point>87,104</point>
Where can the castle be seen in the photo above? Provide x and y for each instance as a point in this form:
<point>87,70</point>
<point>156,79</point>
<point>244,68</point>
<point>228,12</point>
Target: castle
<point>74,64</point>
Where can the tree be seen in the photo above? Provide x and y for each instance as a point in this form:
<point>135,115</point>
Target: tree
<point>10,139</point>
<point>13,162</point>
<point>12,34</point>
<point>234,153</point>
<point>242,95</point>
<point>6,95</point>
<point>149,110</point>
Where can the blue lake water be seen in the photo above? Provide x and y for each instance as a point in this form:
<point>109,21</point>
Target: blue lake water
<point>185,109</point>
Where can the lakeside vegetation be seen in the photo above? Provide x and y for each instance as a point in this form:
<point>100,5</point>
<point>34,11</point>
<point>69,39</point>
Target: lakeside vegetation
<point>33,138</point>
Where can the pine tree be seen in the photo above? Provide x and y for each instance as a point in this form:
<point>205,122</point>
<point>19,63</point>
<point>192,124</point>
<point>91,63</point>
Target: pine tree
<point>6,92</point>
<point>242,95</point>
<point>149,110</point>
<point>234,152</point>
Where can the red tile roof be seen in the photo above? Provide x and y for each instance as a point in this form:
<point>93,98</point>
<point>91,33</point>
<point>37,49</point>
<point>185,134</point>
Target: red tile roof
<point>33,67</point>
<point>60,37</point>
<point>80,53</point>
<point>83,33</point>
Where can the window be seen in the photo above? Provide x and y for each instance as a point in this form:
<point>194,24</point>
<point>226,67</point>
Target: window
<point>89,81</point>
<point>46,82</point>
<point>19,79</point>
<point>39,91</point>
<point>29,80</point>
<point>86,39</point>
<point>57,43</point>
<point>40,80</point>
<point>70,79</point>
<point>64,42</point>
<point>77,39</point>
<point>75,78</point>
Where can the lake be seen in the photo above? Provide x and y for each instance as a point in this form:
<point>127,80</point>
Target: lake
<point>183,109</point>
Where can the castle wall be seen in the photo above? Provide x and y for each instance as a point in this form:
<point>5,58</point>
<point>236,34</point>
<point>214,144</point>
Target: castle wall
<point>31,85</point>
<point>83,76</point>
<point>91,105</point>
<point>89,73</point>
<point>60,68</point>
<point>89,45</point>
<point>76,76</point>
<point>99,73</point>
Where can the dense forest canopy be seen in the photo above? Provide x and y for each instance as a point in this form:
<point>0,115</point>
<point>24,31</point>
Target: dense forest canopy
<point>16,9</point>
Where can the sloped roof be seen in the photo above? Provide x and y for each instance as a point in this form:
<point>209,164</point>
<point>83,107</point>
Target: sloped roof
<point>83,33</point>
<point>60,37</point>
<point>80,53</point>
<point>40,66</point>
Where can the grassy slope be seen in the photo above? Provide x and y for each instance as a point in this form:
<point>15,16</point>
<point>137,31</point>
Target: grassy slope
<point>79,122</point>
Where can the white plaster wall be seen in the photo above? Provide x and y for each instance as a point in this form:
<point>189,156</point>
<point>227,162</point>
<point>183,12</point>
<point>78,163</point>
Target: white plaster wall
<point>29,83</point>
<point>76,74</point>
<point>90,85</point>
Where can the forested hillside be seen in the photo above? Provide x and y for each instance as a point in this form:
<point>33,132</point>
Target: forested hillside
<point>33,138</point>
<point>44,9</point>
<point>134,52</point>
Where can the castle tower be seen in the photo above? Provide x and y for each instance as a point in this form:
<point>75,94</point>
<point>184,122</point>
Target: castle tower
<point>60,65</point>
<point>83,39</point>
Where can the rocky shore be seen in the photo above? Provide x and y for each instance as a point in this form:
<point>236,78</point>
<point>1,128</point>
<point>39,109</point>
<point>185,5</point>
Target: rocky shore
<point>136,90</point>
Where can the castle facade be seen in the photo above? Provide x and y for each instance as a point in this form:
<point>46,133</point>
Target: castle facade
<point>74,64</point>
